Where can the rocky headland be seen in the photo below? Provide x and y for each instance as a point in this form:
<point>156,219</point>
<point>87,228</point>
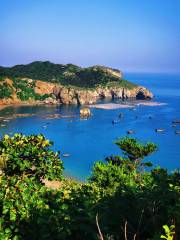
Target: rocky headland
<point>45,82</point>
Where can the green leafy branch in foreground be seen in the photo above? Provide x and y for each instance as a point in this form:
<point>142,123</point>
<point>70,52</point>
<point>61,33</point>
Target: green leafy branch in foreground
<point>130,204</point>
<point>169,232</point>
<point>29,157</point>
<point>134,149</point>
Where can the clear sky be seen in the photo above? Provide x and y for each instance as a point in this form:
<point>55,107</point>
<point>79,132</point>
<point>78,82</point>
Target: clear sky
<point>132,35</point>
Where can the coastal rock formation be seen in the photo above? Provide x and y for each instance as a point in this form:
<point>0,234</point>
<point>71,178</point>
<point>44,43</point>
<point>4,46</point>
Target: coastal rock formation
<point>45,82</point>
<point>85,112</point>
<point>72,95</point>
<point>44,87</point>
<point>83,96</point>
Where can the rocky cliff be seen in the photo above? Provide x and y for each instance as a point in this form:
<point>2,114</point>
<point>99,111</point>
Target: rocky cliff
<point>56,93</point>
<point>79,96</point>
<point>75,85</point>
<point>73,95</point>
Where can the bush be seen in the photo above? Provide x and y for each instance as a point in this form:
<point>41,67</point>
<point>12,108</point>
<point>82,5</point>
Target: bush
<point>5,91</point>
<point>142,201</point>
<point>29,156</point>
<point>120,197</point>
<point>26,91</point>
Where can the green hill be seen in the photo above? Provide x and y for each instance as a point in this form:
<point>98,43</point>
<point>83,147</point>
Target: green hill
<point>68,74</point>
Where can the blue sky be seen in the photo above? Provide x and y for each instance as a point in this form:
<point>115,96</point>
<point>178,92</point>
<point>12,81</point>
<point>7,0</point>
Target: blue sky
<point>132,35</point>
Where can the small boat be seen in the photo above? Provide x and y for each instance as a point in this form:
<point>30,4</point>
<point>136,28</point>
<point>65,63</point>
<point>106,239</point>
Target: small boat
<point>130,131</point>
<point>6,120</point>
<point>66,155</point>
<point>176,121</point>
<point>115,121</point>
<point>177,132</point>
<point>160,130</point>
<point>121,115</point>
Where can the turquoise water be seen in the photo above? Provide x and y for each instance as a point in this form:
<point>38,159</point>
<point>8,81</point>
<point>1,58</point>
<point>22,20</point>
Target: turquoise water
<point>90,140</point>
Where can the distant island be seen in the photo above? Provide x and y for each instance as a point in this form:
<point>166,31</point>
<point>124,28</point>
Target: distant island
<point>46,82</point>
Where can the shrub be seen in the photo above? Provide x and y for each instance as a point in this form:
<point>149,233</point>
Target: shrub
<point>128,202</point>
<point>5,91</point>
<point>30,156</point>
<point>142,201</point>
<point>68,75</point>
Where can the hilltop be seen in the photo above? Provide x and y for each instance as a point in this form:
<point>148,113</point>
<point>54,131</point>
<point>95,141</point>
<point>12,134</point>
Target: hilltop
<point>68,74</point>
<point>67,84</point>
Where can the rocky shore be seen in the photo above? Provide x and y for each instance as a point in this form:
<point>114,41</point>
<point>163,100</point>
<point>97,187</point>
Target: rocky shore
<point>73,95</point>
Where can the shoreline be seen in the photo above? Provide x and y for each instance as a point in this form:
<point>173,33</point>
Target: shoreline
<point>3,106</point>
<point>111,106</point>
<point>106,106</point>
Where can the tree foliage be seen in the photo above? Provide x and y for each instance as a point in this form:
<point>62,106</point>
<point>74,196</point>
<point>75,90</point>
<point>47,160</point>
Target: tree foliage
<point>5,91</point>
<point>29,156</point>
<point>128,202</point>
<point>68,75</point>
<point>135,150</point>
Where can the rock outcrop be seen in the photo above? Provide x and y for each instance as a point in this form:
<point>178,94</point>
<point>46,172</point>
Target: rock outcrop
<point>86,96</point>
<point>80,96</point>
<point>85,112</point>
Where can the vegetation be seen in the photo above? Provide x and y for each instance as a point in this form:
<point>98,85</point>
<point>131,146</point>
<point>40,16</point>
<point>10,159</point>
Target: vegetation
<point>122,83</point>
<point>68,75</point>
<point>5,91</point>
<point>169,232</point>
<point>119,201</point>
<point>25,90</point>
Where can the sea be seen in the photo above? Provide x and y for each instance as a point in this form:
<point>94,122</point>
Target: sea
<point>82,142</point>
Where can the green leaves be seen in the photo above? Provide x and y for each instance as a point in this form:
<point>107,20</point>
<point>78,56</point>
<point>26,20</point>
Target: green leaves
<point>134,150</point>
<point>29,156</point>
<point>116,190</point>
<point>5,90</point>
<point>169,232</point>
<point>144,199</point>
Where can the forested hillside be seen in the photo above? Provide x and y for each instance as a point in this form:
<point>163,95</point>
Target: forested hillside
<point>68,74</point>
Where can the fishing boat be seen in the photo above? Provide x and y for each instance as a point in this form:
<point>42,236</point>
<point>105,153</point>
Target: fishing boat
<point>160,130</point>
<point>115,121</point>
<point>176,121</point>
<point>130,131</point>
<point>66,155</point>
<point>177,132</point>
